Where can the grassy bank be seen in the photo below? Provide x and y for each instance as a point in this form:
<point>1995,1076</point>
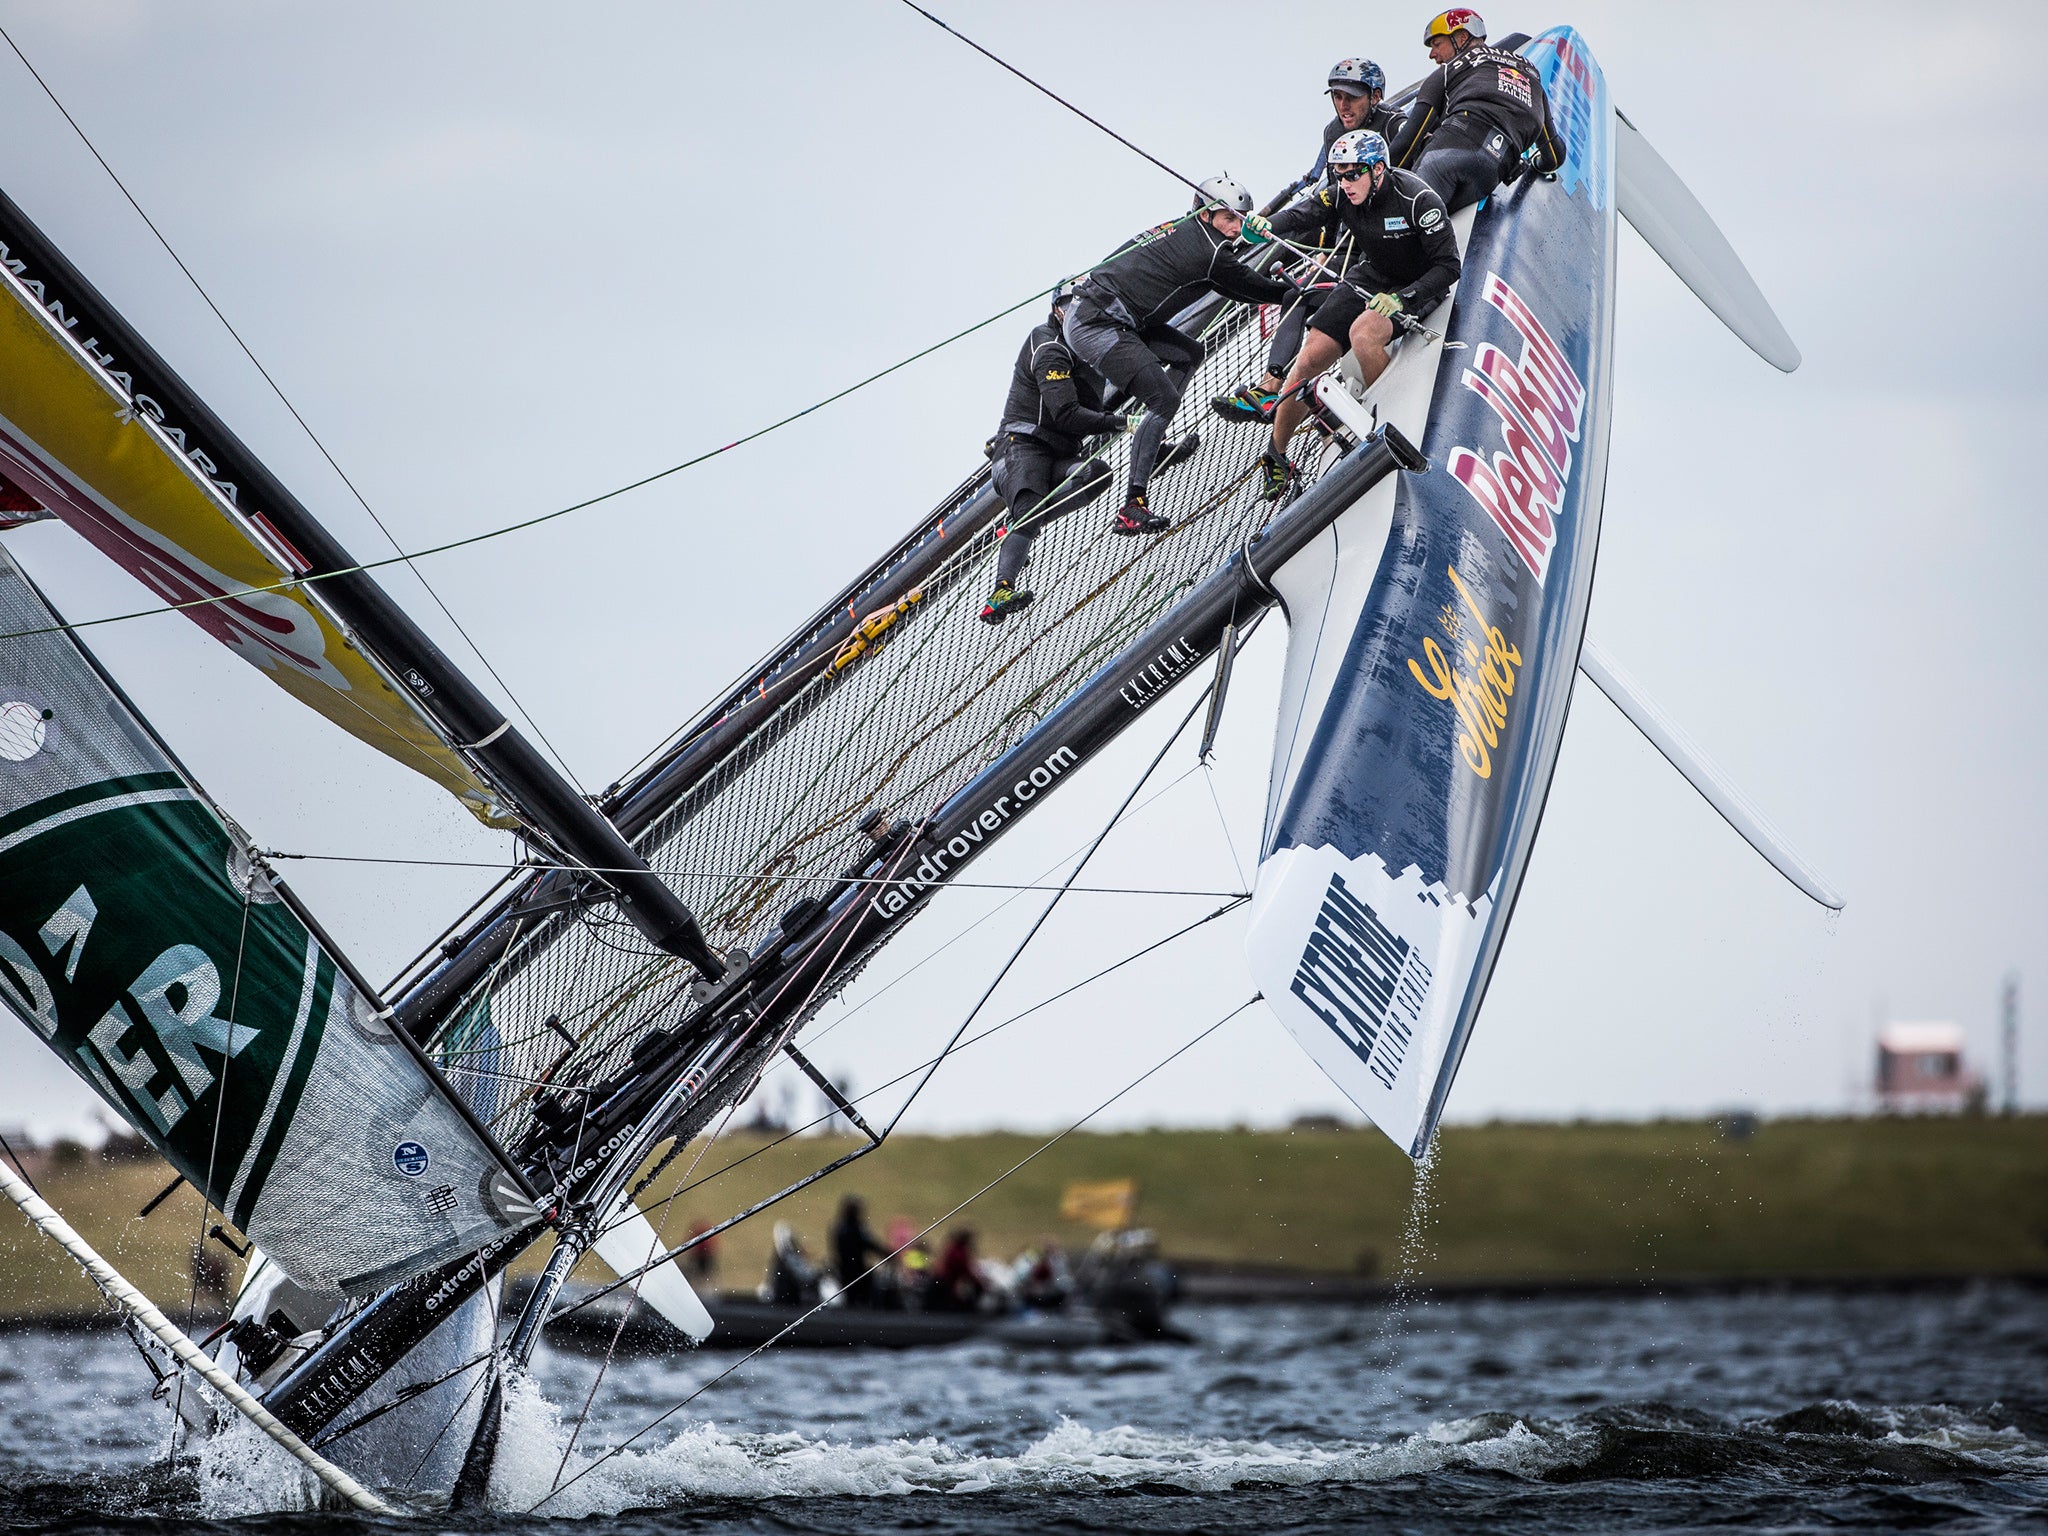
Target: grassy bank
<point>1590,1201</point>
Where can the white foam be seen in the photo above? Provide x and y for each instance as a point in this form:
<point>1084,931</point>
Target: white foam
<point>702,1461</point>
<point>242,1471</point>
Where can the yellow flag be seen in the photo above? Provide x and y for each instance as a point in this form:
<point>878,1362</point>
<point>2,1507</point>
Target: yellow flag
<point>1102,1203</point>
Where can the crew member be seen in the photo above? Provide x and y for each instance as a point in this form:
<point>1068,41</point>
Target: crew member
<point>1407,261</point>
<point>1054,403</point>
<point>1475,116</point>
<point>1356,89</point>
<point>852,1245</point>
<point>1119,324</point>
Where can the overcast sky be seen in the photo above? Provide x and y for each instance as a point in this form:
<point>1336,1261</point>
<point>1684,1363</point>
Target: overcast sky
<point>505,256</point>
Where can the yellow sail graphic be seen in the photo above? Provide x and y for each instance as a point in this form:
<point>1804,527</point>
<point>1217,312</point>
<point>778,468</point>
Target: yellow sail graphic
<point>112,468</point>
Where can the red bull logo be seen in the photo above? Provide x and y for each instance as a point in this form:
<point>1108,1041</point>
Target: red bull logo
<point>1540,402</point>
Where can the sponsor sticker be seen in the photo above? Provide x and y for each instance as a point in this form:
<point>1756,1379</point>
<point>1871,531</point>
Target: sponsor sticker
<point>410,1159</point>
<point>1539,401</point>
<point>1396,223</point>
<point>1429,218</point>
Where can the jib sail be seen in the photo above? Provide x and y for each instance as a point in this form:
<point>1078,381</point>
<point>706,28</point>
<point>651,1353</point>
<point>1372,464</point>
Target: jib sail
<point>142,944</point>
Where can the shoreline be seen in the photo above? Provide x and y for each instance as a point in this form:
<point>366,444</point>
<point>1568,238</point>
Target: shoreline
<point>1207,1284</point>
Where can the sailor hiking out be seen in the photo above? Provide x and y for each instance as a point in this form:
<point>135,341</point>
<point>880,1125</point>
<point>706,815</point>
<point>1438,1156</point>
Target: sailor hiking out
<point>1479,119</point>
<point>1120,324</point>
<point>1054,403</point>
<point>1356,88</point>
<point>1405,262</point>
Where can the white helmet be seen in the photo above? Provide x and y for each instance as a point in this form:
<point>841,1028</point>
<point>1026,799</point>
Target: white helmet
<point>1223,194</point>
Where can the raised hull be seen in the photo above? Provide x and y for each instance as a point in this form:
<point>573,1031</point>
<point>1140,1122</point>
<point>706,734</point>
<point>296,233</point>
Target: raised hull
<point>1433,640</point>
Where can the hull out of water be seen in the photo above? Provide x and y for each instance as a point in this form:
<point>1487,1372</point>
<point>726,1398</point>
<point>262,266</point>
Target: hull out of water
<point>1433,637</point>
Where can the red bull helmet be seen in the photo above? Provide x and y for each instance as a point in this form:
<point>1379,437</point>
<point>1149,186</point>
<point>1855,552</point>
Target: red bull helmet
<point>1357,77</point>
<point>1444,23</point>
<point>1360,147</point>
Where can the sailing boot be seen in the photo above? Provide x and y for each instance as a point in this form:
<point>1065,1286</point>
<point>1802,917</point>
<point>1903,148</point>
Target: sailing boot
<point>1178,452</point>
<point>1138,517</point>
<point>1247,402</point>
<point>1003,602</point>
<point>1276,475</point>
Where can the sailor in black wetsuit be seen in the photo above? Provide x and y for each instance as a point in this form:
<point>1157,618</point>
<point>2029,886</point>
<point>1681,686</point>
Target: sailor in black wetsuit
<point>1406,261</point>
<point>1120,322</point>
<point>1474,118</point>
<point>1054,403</point>
<point>1356,87</point>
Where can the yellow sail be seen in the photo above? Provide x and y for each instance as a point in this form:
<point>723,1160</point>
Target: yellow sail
<point>77,434</point>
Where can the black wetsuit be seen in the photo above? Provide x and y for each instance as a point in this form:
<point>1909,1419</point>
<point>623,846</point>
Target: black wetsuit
<point>1401,243</point>
<point>1386,122</point>
<point>1470,122</point>
<point>1383,120</point>
<point>1119,324</point>
<point>1054,403</point>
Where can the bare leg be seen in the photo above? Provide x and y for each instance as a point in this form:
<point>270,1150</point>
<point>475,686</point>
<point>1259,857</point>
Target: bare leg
<point>1317,353</point>
<point>1370,334</point>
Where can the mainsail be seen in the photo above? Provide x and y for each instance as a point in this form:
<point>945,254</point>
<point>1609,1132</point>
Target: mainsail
<point>145,945</point>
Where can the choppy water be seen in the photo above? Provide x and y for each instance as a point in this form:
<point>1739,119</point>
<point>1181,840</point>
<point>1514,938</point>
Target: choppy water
<point>1772,1412</point>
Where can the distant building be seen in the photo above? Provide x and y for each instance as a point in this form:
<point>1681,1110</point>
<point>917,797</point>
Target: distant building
<point>1920,1070</point>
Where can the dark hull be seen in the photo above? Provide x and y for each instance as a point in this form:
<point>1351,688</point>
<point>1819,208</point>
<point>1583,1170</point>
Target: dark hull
<point>743,1323</point>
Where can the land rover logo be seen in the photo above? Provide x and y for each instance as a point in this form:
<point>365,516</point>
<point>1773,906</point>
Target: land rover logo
<point>22,729</point>
<point>410,1159</point>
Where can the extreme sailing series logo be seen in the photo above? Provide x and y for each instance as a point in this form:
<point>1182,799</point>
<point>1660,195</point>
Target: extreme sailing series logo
<point>1541,402</point>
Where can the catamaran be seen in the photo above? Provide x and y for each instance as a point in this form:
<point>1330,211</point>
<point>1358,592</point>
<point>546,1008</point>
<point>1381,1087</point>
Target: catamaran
<point>391,1150</point>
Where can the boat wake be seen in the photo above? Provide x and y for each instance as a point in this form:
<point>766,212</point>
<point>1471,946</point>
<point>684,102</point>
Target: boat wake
<point>1823,1442</point>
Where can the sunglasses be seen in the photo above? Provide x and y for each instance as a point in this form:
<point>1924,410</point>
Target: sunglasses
<point>1351,172</point>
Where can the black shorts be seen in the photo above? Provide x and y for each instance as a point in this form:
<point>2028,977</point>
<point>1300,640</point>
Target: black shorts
<point>1025,469</point>
<point>1340,311</point>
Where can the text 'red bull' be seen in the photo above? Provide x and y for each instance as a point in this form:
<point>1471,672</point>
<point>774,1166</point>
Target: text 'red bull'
<point>1540,401</point>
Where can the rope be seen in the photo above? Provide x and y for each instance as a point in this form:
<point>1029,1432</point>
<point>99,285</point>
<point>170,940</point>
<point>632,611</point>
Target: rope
<point>1021,1163</point>
<point>179,1343</point>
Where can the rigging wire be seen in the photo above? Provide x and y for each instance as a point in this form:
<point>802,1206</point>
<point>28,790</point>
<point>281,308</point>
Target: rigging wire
<point>931,1068</point>
<point>1022,944</point>
<point>880,1088</point>
<point>284,399</point>
<point>545,517</point>
<point>991,913</point>
<point>175,1399</point>
<point>751,874</point>
<point>1047,1146</point>
<point>1048,91</point>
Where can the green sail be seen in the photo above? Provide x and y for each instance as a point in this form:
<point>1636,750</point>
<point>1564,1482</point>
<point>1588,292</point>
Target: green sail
<point>141,943</point>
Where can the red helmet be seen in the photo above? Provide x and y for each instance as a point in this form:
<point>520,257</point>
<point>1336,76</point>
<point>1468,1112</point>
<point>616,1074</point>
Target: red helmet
<point>1444,23</point>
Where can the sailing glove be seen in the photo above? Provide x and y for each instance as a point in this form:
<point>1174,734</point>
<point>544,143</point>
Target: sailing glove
<point>1257,228</point>
<point>1388,304</point>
